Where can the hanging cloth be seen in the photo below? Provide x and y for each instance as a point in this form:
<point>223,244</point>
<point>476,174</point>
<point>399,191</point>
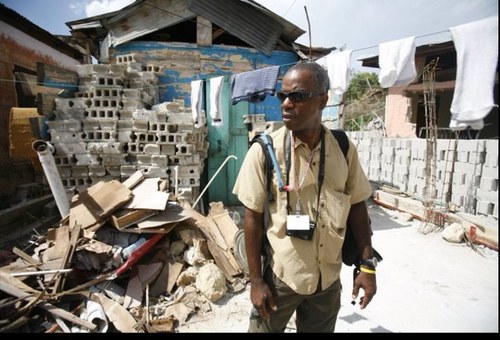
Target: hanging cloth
<point>216,101</point>
<point>476,44</point>
<point>397,62</point>
<point>338,65</point>
<point>196,86</point>
<point>253,86</point>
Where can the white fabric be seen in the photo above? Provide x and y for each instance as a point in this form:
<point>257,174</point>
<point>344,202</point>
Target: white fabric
<point>196,101</point>
<point>215,100</point>
<point>476,44</point>
<point>397,62</point>
<point>338,65</point>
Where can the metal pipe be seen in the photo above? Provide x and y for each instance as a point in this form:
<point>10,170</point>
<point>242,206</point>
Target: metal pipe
<point>213,177</point>
<point>44,150</point>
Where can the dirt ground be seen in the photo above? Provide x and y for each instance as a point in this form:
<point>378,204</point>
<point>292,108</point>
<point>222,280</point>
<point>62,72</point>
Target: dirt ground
<point>425,284</point>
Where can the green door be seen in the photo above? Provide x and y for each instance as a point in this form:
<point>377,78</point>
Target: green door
<point>231,138</point>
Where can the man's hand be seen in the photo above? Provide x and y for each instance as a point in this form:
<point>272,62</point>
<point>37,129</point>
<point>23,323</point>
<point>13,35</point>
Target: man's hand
<point>262,298</point>
<point>369,284</point>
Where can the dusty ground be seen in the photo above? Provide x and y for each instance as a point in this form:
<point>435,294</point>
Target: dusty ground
<point>425,284</point>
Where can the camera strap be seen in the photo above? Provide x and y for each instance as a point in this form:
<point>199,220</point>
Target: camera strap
<point>321,172</point>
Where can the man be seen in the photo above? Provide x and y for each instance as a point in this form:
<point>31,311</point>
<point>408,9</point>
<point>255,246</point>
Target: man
<point>307,220</point>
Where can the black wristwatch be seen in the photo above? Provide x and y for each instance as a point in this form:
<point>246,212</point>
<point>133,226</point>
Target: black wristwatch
<point>370,263</point>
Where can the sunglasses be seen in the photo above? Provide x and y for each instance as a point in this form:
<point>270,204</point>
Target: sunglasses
<point>296,96</point>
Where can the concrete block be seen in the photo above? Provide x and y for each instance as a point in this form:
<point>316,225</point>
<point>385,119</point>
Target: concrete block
<point>160,161</point>
<point>108,123</point>
<point>135,148</point>
<point>101,112</point>
<point>100,136</point>
<point>106,147</point>
<point>113,160</point>
<point>127,170</point>
<point>143,159</point>
<point>489,171</point>
<point>64,160</point>
<point>66,137</point>
<point>185,149</point>
<point>113,170</point>
<point>107,93</point>
<point>168,150</point>
<point>64,171</point>
<point>152,149</point>
<point>463,156</point>
<point>90,124</point>
<point>126,114</point>
<point>96,171</point>
<point>146,137</point>
<point>79,171</point>
<point>126,136</point>
<point>489,196</point>
<point>152,171</point>
<point>70,148</point>
<point>489,184</point>
<point>87,159</point>
<point>491,159</point>
<point>484,207</point>
<point>140,125</point>
<point>471,145</point>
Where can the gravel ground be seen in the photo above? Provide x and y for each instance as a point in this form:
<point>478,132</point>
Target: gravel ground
<point>425,284</point>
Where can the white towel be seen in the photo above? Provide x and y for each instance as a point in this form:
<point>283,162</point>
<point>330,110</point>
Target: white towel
<point>215,100</point>
<point>476,44</point>
<point>338,65</point>
<point>196,101</point>
<point>397,62</point>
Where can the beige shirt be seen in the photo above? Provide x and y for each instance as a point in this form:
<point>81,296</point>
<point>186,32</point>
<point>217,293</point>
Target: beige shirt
<point>300,263</point>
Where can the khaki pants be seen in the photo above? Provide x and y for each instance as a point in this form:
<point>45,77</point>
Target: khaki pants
<point>314,313</point>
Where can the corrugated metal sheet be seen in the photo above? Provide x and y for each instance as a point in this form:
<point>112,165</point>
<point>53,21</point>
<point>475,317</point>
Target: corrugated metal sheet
<point>245,22</point>
<point>139,21</point>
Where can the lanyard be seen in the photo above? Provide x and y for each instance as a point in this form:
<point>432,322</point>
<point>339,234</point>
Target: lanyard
<point>298,184</point>
<point>321,172</point>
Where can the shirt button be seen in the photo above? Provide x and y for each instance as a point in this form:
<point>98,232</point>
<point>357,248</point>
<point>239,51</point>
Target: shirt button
<point>322,205</point>
<point>321,245</point>
<point>323,226</point>
<point>314,163</point>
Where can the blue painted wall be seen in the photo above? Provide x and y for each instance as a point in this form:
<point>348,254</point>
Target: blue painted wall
<point>185,62</point>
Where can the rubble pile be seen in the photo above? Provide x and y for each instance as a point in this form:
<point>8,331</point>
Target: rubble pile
<point>129,257</point>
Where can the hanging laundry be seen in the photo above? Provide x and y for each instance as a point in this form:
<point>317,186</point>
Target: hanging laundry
<point>215,100</point>
<point>253,86</point>
<point>338,65</point>
<point>476,44</point>
<point>196,98</point>
<point>397,62</point>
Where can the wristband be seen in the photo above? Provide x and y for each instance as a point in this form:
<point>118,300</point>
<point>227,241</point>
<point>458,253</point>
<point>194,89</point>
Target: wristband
<point>367,270</point>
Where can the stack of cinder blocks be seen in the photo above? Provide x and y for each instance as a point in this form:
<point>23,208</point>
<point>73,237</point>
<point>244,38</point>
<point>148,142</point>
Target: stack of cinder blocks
<point>113,127</point>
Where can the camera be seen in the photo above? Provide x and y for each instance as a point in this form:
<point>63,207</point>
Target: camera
<point>302,234</point>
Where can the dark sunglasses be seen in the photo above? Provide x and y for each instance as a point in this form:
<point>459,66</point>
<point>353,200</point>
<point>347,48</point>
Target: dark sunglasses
<point>296,96</point>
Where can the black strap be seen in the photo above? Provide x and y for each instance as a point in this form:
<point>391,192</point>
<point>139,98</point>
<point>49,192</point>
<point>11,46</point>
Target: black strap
<point>268,163</point>
<point>341,138</point>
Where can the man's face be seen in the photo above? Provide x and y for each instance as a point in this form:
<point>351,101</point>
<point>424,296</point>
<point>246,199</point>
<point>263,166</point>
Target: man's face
<point>301,111</point>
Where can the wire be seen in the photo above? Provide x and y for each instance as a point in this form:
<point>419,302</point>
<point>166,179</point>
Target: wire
<point>416,37</point>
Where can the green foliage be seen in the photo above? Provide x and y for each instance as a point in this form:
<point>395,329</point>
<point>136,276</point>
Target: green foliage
<point>360,84</point>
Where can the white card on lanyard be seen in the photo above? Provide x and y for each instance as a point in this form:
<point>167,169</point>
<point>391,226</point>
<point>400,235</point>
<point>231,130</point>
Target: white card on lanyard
<point>297,222</point>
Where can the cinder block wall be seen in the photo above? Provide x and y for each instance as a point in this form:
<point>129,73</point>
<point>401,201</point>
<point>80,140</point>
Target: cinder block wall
<point>466,170</point>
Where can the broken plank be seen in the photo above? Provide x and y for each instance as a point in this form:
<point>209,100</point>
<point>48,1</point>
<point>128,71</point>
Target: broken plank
<point>10,286</point>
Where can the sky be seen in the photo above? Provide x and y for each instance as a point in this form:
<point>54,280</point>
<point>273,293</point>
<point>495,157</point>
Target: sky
<point>359,25</point>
